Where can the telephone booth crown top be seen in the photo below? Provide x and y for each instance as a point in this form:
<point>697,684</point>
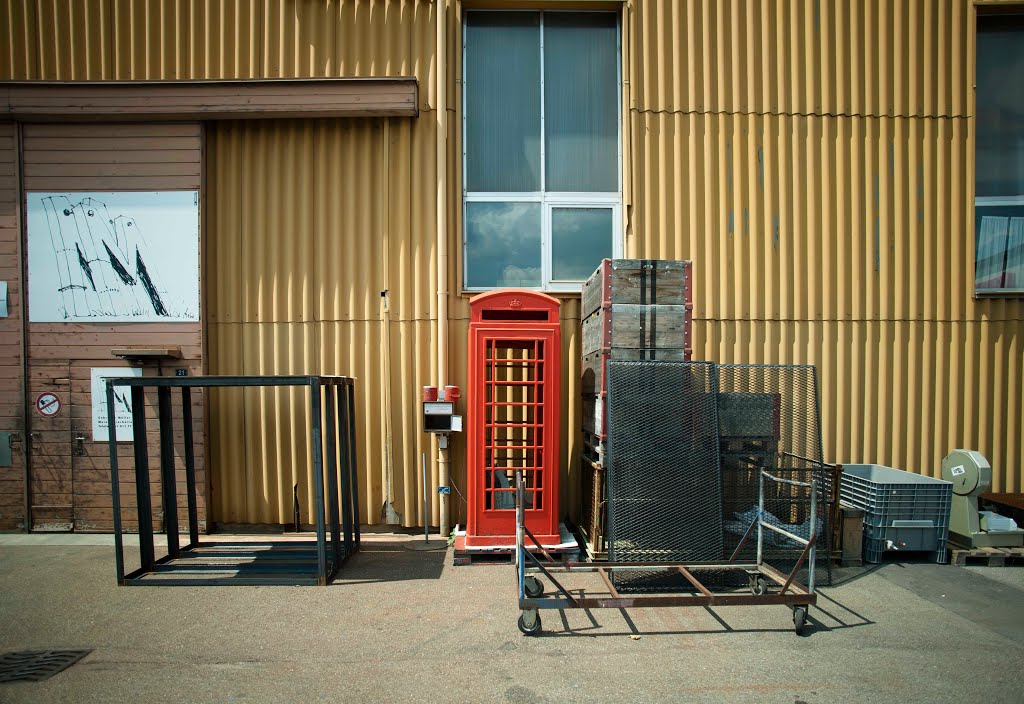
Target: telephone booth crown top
<point>514,305</point>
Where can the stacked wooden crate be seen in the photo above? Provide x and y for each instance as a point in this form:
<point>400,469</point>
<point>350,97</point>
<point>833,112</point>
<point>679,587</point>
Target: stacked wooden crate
<point>632,309</point>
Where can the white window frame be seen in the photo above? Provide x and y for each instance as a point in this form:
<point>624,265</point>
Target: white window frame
<point>992,201</point>
<point>549,200</point>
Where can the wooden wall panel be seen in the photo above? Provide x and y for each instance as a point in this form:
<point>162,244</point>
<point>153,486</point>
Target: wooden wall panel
<point>11,478</point>
<point>72,468</point>
<point>124,157</point>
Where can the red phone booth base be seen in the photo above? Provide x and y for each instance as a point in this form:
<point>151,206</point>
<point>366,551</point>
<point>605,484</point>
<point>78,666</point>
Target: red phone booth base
<point>466,553</point>
<point>513,415</point>
<point>507,541</point>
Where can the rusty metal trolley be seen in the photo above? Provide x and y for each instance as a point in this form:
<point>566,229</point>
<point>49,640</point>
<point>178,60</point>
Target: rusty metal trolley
<point>767,584</point>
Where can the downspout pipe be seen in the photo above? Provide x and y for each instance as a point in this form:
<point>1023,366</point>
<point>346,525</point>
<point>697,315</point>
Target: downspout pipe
<point>441,65</point>
<point>26,403</point>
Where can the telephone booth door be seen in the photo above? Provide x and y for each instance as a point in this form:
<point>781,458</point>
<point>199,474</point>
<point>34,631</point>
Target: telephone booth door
<point>514,415</point>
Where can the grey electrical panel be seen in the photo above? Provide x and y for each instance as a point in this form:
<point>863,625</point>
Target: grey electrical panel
<point>6,456</point>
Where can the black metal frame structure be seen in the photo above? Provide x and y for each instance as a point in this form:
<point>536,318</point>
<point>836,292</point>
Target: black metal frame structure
<point>331,399</point>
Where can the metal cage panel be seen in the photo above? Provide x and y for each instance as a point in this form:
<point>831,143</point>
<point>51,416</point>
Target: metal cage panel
<point>664,492</point>
<point>687,442</point>
<point>769,418</point>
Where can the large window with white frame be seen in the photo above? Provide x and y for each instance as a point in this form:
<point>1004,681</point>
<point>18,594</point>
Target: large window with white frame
<point>542,191</point>
<point>999,155</point>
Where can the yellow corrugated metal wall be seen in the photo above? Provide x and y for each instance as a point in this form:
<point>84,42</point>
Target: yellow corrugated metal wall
<point>813,157</point>
<point>310,222</point>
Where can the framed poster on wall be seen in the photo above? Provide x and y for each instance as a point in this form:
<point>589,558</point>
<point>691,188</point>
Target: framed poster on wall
<point>129,256</point>
<point>122,403</point>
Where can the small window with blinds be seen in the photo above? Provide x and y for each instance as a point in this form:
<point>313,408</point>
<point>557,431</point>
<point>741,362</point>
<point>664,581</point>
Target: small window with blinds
<point>541,148</point>
<point>999,156</point>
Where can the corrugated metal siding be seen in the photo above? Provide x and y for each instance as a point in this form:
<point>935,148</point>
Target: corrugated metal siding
<point>18,51</point>
<point>311,301</point>
<point>874,57</point>
<point>813,218</point>
<point>11,413</point>
<point>814,158</point>
<point>190,39</point>
<point>74,39</point>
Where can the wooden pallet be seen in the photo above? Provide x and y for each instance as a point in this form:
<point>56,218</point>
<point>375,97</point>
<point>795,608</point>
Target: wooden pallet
<point>986,557</point>
<point>504,555</point>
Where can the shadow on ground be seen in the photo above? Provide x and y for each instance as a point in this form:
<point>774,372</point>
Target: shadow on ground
<point>387,561</point>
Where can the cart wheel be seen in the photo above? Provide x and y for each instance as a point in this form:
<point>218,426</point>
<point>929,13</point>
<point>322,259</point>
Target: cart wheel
<point>799,618</point>
<point>533,587</point>
<point>529,622</point>
<point>758,586</point>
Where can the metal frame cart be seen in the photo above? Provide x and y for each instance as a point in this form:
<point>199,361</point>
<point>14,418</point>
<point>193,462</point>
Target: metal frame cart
<point>767,584</point>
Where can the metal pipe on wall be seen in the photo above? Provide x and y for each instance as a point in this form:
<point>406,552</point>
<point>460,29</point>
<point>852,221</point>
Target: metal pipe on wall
<point>441,66</point>
<point>26,419</point>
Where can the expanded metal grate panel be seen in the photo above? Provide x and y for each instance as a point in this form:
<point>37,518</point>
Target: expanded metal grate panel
<point>37,665</point>
<point>769,419</point>
<point>686,444</point>
<point>663,485</point>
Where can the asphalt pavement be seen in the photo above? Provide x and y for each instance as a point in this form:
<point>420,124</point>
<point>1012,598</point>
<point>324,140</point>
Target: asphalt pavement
<point>401,625</point>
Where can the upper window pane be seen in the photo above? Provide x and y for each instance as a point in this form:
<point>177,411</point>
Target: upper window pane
<point>581,101</point>
<point>1000,106</point>
<point>502,101</point>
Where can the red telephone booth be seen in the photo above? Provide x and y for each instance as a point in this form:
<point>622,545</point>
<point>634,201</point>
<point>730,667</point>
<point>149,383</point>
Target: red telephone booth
<point>514,415</point>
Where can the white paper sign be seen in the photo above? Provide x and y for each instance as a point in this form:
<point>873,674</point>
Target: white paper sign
<point>113,257</point>
<point>122,403</point>
<point>957,471</point>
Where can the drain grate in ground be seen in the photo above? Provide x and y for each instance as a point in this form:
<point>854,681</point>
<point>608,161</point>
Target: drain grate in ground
<point>37,665</point>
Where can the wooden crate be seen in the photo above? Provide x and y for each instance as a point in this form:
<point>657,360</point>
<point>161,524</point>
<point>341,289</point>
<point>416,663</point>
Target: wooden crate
<point>593,480</point>
<point>638,331</point>
<point>851,536</point>
<point>632,309</point>
<point>593,383</point>
<point>638,282</point>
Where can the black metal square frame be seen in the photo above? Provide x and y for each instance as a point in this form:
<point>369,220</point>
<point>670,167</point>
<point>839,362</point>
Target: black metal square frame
<point>329,396</point>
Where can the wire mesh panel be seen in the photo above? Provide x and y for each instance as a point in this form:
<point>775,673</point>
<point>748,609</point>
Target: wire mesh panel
<point>663,484</point>
<point>686,444</point>
<point>768,418</point>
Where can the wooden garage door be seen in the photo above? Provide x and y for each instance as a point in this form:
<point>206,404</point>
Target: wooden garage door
<point>70,470</point>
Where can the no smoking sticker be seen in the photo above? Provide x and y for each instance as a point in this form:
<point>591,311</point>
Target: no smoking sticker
<point>48,404</point>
